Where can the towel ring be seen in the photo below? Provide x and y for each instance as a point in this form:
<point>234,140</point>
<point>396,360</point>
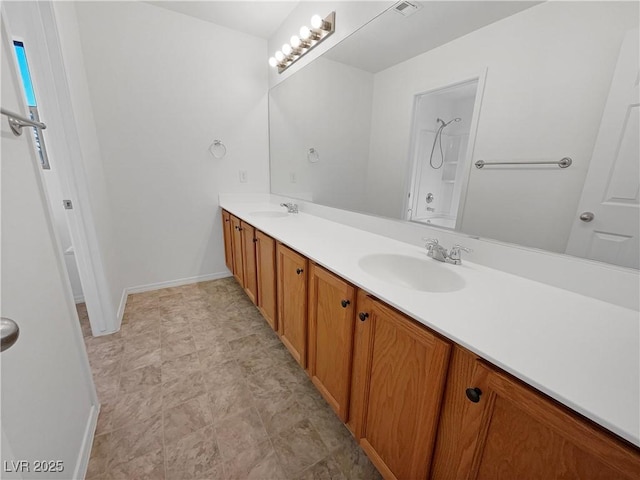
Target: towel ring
<point>217,149</point>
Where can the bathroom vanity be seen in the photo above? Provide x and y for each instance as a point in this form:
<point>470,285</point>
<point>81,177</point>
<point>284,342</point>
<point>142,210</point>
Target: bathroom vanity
<point>444,371</point>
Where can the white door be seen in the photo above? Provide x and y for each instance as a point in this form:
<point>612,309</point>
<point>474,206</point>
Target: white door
<point>48,402</point>
<point>606,226</point>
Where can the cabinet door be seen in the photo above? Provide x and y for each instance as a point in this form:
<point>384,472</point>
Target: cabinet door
<point>400,370</point>
<point>228,239</point>
<point>292,302</point>
<point>510,431</point>
<point>331,324</point>
<point>266,266</point>
<point>248,236</point>
<point>238,270</point>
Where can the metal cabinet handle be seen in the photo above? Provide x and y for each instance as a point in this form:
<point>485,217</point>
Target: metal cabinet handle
<point>345,303</point>
<point>473,394</point>
<point>363,316</point>
<point>299,271</point>
<point>9,333</point>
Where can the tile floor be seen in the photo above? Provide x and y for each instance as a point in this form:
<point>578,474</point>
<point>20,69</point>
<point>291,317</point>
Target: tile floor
<point>196,385</point>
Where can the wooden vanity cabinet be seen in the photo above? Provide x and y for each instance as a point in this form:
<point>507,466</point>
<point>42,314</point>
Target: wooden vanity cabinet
<point>508,430</point>
<point>228,239</point>
<point>266,272</point>
<point>236,242</point>
<point>292,301</point>
<point>398,380</point>
<point>331,324</point>
<point>249,272</point>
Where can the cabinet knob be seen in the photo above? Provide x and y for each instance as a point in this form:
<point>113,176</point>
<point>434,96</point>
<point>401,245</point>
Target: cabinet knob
<point>226,220</point>
<point>240,228</point>
<point>236,227</point>
<point>255,240</point>
<point>473,394</point>
<point>299,271</point>
<point>363,316</point>
<point>345,303</point>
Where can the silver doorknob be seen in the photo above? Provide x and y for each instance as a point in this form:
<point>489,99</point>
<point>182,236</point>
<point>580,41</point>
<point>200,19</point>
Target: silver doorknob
<point>587,216</point>
<point>9,333</point>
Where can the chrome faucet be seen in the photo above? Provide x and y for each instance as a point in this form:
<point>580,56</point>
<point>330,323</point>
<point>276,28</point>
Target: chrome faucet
<point>291,207</point>
<point>438,252</point>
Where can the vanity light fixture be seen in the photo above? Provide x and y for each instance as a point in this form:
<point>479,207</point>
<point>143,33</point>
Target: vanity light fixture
<point>291,52</point>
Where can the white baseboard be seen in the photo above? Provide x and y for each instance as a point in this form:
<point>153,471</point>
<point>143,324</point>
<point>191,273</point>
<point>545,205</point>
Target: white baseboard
<point>160,285</point>
<point>121,307</point>
<point>78,299</point>
<point>87,442</point>
<point>177,283</point>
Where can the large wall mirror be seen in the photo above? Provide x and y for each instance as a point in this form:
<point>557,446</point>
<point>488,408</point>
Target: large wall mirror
<point>393,120</point>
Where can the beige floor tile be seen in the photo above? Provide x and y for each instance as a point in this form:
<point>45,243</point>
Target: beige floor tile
<point>230,400</point>
<point>140,378</point>
<point>180,389</point>
<point>279,411</point>
<point>145,467</point>
<point>105,417</point>
<point>298,447</point>
<point>99,458</point>
<point>135,440</point>
<point>186,418</point>
<point>194,456</point>
<point>221,375</point>
<point>243,431</point>
<point>180,366</point>
<point>208,339</point>
<point>355,464</point>
<point>327,469</point>
<point>137,406</point>
<point>177,345</point>
<point>258,463</point>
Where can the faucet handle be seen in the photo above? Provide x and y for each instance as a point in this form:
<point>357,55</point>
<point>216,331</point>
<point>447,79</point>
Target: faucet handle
<point>430,241</point>
<point>454,253</point>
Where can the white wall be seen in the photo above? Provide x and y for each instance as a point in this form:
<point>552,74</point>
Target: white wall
<point>350,16</point>
<point>572,84</point>
<point>163,86</point>
<point>326,99</point>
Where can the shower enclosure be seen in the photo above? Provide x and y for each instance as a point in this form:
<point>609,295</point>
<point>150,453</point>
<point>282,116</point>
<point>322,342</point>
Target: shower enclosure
<point>441,129</point>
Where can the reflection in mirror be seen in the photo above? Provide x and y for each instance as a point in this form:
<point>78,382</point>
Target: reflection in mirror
<point>529,81</point>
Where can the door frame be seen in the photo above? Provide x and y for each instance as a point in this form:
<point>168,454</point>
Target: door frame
<point>53,91</point>
<point>412,175</point>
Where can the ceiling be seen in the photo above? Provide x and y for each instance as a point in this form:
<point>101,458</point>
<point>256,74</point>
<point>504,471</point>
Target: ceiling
<point>257,17</point>
<point>392,38</point>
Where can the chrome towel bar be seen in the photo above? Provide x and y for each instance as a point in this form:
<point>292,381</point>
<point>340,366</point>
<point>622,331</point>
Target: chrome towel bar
<point>562,163</point>
<point>16,122</point>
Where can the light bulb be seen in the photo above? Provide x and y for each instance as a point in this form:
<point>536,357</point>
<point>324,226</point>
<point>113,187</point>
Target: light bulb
<point>305,32</point>
<point>295,41</point>
<point>286,49</point>
<point>279,56</point>
<point>273,62</point>
<point>316,21</point>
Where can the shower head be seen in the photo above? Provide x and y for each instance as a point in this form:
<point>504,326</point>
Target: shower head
<point>444,124</point>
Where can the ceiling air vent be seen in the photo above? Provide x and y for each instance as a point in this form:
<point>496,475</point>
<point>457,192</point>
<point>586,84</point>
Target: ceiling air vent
<point>405,8</point>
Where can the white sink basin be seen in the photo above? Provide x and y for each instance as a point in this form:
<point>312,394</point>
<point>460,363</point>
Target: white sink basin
<point>269,214</point>
<point>425,275</point>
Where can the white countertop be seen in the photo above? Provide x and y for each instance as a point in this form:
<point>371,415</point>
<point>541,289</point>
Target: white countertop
<point>583,352</point>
